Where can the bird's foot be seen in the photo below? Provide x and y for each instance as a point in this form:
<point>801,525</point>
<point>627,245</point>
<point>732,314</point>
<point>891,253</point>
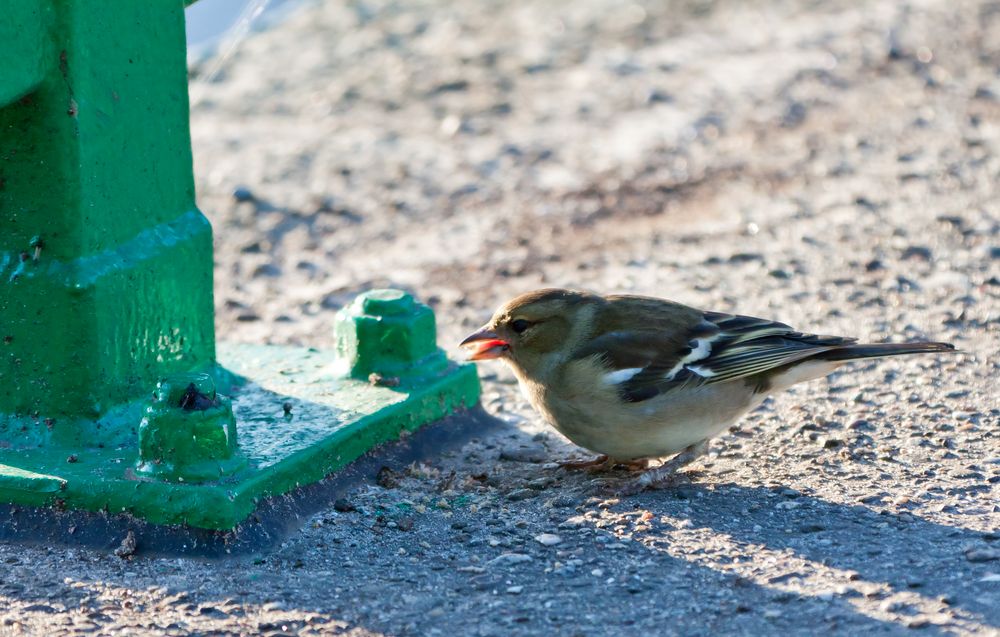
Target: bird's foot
<point>665,475</point>
<point>603,463</point>
<point>598,462</point>
<point>633,465</point>
<point>647,482</point>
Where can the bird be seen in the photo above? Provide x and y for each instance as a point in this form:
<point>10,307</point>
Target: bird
<point>637,378</point>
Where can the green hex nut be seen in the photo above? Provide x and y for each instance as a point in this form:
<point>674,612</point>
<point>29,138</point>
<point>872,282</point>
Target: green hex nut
<point>388,334</point>
<point>188,433</point>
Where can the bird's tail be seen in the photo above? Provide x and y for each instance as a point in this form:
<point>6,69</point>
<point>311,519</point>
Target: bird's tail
<point>878,350</point>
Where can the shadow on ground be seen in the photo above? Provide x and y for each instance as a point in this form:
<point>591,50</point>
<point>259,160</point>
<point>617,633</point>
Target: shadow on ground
<point>698,559</point>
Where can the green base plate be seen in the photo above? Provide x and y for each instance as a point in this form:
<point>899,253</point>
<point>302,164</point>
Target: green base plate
<point>274,519</point>
<point>332,421</point>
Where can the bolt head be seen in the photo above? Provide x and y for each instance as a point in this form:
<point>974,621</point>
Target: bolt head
<point>188,432</point>
<point>386,302</point>
<point>389,333</point>
<point>171,389</point>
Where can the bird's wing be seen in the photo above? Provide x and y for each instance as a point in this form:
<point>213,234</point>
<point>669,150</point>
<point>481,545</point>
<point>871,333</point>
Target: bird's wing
<point>643,363</point>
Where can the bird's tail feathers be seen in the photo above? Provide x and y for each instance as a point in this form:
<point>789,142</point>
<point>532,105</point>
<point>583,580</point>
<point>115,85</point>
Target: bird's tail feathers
<point>878,350</point>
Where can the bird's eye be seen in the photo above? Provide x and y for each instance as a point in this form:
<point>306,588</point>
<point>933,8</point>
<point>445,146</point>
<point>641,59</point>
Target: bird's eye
<point>520,325</point>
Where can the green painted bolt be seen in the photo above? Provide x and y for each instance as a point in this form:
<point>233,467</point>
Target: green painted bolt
<point>188,433</point>
<point>389,334</point>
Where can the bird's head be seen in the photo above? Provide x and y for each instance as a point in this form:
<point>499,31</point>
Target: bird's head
<point>530,328</point>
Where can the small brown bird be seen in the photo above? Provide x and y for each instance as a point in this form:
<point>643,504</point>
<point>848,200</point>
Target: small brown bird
<point>634,378</point>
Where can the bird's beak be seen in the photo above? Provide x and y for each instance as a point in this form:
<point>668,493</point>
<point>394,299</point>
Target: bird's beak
<point>487,345</point>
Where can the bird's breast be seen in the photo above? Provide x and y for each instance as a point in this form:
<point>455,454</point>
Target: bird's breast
<point>593,416</point>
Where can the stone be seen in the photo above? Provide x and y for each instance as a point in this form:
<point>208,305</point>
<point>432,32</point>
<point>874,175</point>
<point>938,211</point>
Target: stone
<point>548,539</point>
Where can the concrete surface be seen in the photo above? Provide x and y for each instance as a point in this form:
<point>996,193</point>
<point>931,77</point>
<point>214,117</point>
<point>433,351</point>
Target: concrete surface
<point>833,165</point>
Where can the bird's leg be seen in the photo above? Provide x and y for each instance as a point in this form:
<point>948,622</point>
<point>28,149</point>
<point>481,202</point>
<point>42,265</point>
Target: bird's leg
<point>604,463</point>
<point>664,474</point>
<point>640,464</point>
<point>597,462</point>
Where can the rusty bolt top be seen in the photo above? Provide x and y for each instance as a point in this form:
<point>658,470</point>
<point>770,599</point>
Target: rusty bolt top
<point>176,389</point>
<point>188,432</point>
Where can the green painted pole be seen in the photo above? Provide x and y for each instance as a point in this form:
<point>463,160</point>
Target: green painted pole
<point>110,395</point>
<point>105,262</point>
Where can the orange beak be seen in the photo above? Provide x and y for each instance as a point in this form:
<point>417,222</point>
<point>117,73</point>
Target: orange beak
<point>486,343</point>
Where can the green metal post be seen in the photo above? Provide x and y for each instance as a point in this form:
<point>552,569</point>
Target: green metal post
<point>105,262</point>
<point>110,395</point>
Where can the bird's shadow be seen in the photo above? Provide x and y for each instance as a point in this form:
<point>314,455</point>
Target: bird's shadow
<point>889,553</point>
<point>901,551</point>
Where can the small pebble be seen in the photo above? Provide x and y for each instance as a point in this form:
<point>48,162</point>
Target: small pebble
<point>533,454</point>
<point>920,252</point>
<point>548,539</point>
<point>982,555</point>
<point>509,559</point>
<point>127,547</point>
<point>242,194</point>
<point>521,494</point>
<point>266,270</point>
<point>343,506</point>
<point>387,478</point>
<point>379,380</point>
<point>563,501</point>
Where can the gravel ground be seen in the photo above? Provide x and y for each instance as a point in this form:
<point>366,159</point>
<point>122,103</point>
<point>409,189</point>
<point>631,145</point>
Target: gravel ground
<point>833,165</point>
